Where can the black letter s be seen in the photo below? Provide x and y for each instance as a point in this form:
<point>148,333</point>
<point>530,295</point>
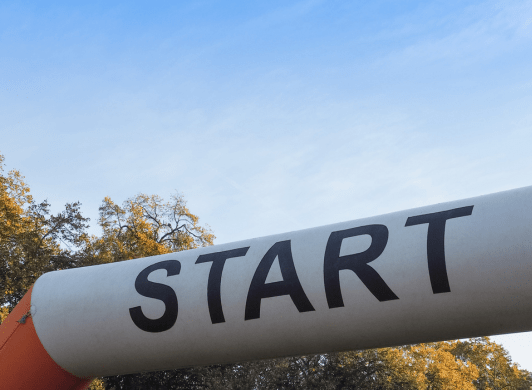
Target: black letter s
<point>157,291</point>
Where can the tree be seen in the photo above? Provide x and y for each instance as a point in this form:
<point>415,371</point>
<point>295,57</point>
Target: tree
<point>32,241</point>
<point>144,226</point>
<point>442,369</point>
<point>495,367</point>
<point>422,366</point>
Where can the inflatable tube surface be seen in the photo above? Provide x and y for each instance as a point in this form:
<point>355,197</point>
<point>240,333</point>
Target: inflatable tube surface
<point>446,271</point>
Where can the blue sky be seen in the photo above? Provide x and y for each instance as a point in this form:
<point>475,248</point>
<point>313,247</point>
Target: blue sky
<point>269,116</point>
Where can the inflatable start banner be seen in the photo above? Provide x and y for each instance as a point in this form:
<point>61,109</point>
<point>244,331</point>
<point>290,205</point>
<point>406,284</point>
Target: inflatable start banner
<point>452,270</point>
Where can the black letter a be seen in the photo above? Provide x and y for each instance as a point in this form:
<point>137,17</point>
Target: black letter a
<point>290,284</point>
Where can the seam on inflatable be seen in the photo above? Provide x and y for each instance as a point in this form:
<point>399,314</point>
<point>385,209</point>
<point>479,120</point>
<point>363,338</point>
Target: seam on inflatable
<point>9,336</point>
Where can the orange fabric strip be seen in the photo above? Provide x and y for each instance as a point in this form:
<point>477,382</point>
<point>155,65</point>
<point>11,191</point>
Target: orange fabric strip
<point>24,363</point>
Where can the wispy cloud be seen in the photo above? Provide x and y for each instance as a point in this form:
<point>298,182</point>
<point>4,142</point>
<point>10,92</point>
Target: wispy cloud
<point>481,31</point>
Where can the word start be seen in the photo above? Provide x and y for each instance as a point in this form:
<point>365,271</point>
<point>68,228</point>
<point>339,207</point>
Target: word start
<point>290,284</point>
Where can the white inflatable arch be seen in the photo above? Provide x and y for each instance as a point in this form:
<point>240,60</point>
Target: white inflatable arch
<point>451,270</point>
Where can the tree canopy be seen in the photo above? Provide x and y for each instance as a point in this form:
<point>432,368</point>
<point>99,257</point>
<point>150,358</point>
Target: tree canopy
<point>475,364</point>
<point>144,226</point>
<point>32,241</point>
